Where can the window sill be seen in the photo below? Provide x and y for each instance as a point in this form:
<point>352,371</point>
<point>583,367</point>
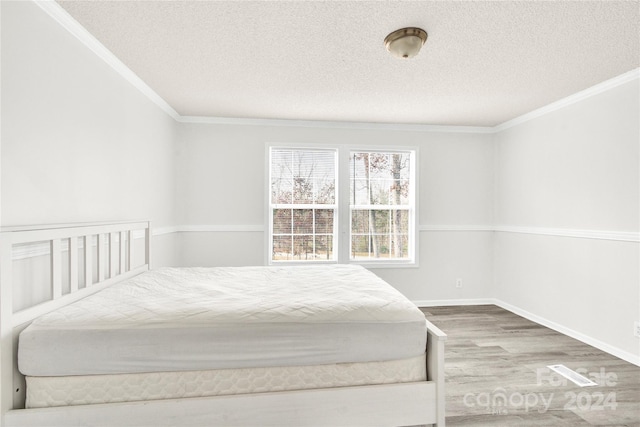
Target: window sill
<point>366,264</point>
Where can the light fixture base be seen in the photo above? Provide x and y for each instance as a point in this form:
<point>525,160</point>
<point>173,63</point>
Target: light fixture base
<point>405,42</point>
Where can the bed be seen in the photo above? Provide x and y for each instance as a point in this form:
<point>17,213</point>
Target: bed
<point>115,343</point>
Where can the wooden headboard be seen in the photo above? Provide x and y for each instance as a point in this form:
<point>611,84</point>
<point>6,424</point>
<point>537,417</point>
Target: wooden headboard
<point>82,259</point>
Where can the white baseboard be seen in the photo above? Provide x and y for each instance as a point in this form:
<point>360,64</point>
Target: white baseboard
<point>614,351</point>
<point>450,302</point>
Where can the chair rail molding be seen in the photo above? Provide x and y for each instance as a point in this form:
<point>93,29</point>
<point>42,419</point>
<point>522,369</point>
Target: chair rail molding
<point>622,236</point>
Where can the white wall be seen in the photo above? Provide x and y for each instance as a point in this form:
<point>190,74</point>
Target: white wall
<point>221,182</point>
<point>572,170</point>
<point>79,143</point>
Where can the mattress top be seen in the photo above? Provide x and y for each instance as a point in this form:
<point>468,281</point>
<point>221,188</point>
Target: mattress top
<point>201,296</point>
<point>177,319</point>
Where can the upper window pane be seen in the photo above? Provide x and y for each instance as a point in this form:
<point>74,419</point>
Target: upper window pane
<point>380,178</point>
<point>302,177</point>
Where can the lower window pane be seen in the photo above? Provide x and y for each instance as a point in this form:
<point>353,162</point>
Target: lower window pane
<point>324,248</point>
<point>360,247</point>
<point>379,233</point>
<point>404,245</point>
<point>324,220</point>
<point>281,221</point>
<point>359,221</point>
<point>303,235</point>
<point>371,246</point>
<point>302,221</point>
<point>380,221</point>
<point>281,248</point>
<point>303,247</point>
<point>398,246</point>
<point>401,219</point>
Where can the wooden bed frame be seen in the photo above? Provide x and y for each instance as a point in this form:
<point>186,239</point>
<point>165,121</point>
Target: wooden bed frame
<point>111,260</point>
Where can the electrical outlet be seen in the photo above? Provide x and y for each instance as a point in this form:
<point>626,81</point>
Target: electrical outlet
<point>636,329</point>
<point>458,283</point>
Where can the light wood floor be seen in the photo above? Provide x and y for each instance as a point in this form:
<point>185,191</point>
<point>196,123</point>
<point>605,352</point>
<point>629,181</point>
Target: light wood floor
<point>496,375</point>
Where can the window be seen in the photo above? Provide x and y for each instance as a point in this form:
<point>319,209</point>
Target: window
<point>381,205</point>
<point>303,205</point>
<point>373,206</point>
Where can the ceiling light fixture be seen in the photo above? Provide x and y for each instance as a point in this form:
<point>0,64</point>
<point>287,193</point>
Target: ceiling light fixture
<point>406,42</point>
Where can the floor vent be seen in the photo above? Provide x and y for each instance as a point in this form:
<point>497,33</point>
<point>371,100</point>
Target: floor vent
<point>572,375</point>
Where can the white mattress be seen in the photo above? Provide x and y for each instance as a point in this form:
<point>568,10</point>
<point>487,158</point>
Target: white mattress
<point>217,318</point>
<point>93,389</point>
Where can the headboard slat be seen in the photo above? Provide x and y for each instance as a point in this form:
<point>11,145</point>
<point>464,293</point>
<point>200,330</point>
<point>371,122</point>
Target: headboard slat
<point>56,268</point>
<point>130,249</point>
<point>73,264</point>
<point>88,261</point>
<point>123,253</point>
<point>101,265</point>
<point>112,255</point>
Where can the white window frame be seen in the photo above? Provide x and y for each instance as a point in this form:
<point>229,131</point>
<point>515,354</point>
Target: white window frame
<point>271,207</point>
<point>342,220</point>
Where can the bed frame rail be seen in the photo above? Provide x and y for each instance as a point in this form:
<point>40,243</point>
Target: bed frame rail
<point>435,369</point>
<point>404,404</point>
<point>112,261</point>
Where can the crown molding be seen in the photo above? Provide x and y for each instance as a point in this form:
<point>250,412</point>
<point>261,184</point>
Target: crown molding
<point>70,24</point>
<point>406,127</point>
<point>63,18</point>
<point>571,99</point>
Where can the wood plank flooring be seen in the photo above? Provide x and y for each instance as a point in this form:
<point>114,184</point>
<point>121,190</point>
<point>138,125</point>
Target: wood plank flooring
<point>496,374</point>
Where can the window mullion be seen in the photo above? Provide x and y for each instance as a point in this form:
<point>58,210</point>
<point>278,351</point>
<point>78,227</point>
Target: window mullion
<point>313,228</point>
<point>343,212</point>
<point>292,229</point>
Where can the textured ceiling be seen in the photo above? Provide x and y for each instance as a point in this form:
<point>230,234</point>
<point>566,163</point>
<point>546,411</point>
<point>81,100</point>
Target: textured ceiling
<point>484,63</point>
